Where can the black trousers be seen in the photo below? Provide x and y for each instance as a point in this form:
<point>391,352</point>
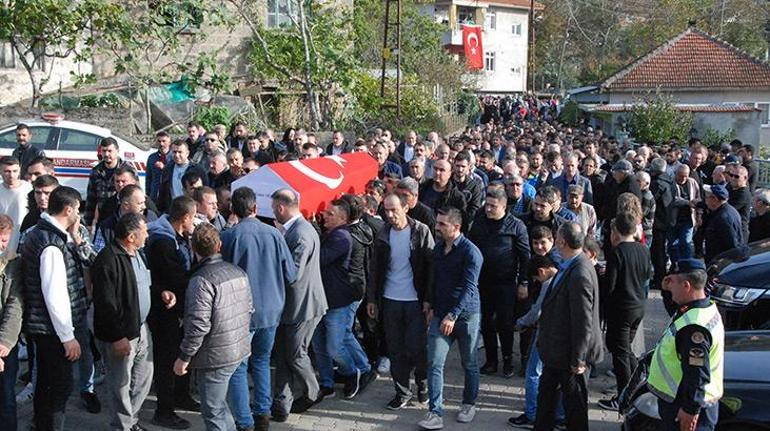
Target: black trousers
<point>659,257</point>
<point>574,393</point>
<point>166,337</point>
<point>407,340</point>
<point>373,341</point>
<point>621,329</point>
<point>54,382</point>
<point>497,320</point>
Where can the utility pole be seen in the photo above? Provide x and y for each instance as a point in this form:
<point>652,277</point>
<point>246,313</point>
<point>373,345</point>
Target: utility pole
<point>531,67</point>
<point>391,52</point>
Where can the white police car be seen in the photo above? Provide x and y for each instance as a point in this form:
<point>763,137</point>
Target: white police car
<point>73,147</point>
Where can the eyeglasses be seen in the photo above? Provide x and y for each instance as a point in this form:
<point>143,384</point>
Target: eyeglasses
<point>733,176</point>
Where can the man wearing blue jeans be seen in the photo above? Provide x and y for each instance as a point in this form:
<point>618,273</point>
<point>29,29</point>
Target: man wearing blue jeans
<point>333,340</point>
<point>261,251</point>
<point>455,315</point>
<point>217,312</point>
<point>541,269</point>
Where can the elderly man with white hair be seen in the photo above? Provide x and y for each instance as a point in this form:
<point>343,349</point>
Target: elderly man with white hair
<point>759,225</point>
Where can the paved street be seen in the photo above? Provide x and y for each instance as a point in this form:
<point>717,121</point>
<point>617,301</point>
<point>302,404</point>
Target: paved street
<point>499,399</point>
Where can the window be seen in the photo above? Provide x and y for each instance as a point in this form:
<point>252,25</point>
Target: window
<point>74,140</point>
<point>280,12</point>
<point>765,114</point>
<point>489,61</point>
<point>7,56</point>
<point>490,21</point>
<point>516,29</point>
<point>41,138</point>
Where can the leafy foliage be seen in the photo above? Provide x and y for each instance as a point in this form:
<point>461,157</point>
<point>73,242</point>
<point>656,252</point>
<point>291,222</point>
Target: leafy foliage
<point>152,40</point>
<point>583,42</point>
<point>39,31</point>
<point>716,137</point>
<point>209,116</point>
<point>655,119</point>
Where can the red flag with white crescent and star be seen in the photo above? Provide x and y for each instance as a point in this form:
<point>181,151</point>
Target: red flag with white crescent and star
<point>473,48</point>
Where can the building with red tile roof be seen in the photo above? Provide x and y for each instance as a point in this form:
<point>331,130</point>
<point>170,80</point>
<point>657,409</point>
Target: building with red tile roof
<point>723,86</point>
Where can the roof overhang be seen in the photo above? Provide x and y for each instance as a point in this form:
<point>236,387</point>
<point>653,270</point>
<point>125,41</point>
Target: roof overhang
<point>611,108</point>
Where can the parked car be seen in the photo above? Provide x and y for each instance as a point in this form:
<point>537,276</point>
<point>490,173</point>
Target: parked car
<point>743,406</point>
<point>739,282</point>
<point>73,147</point>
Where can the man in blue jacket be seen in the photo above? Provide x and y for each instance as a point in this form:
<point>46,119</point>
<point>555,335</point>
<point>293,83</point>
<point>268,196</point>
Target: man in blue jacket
<point>334,341</point>
<point>261,251</point>
<point>456,315</point>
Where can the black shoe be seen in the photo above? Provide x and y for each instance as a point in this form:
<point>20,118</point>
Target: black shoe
<point>366,379</point>
<point>138,427</point>
<point>521,421</point>
<point>171,421</point>
<point>188,404</point>
<point>489,368</point>
<point>561,424</point>
<point>278,417</point>
<point>261,423</point>
<point>353,385</point>
<point>422,394</point>
<point>301,405</point>
<point>507,368</point>
<point>609,404</point>
<point>397,403</point>
<point>92,402</point>
<point>325,393</point>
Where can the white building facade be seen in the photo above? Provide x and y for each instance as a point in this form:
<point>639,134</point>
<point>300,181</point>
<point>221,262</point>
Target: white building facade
<point>505,30</point>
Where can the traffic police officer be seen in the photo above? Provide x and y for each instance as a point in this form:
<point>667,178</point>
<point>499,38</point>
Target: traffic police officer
<point>688,363</point>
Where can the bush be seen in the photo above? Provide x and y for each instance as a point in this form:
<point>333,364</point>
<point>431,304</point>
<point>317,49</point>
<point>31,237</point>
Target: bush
<point>716,137</point>
<point>210,116</point>
<point>655,119</point>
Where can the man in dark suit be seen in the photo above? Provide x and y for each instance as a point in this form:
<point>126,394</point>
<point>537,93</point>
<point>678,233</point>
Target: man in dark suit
<point>569,337</point>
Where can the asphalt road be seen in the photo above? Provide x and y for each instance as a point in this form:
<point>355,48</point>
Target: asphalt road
<point>499,399</point>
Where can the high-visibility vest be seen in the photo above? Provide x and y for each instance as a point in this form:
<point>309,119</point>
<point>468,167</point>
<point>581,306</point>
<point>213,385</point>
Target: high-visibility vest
<point>666,369</point>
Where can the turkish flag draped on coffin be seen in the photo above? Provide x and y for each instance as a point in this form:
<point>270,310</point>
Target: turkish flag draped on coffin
<point>474,51</point>
<point>316,181</point>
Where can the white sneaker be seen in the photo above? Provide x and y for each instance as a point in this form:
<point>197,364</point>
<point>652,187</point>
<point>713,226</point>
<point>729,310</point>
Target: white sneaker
<point>467,413</point>
<point>26,394</point>
<point>432,421</point>
<point>384,365</point>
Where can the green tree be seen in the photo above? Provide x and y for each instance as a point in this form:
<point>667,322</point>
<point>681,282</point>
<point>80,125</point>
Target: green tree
<point>655,119</point>
<point>40,31</point>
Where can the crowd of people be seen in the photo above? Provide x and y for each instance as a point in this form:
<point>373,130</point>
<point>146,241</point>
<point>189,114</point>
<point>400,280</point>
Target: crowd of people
<point>517,225</point>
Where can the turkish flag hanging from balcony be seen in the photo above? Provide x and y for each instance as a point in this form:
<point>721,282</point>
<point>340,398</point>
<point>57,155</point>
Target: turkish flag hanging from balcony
<point>473,49</point>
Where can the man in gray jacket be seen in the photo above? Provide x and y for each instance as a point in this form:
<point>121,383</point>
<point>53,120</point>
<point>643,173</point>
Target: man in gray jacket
<point>216,339</point>
<point>304,308</point>
<point>10,326</point>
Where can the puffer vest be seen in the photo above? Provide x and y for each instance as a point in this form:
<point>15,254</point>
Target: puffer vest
<point>36,317</point>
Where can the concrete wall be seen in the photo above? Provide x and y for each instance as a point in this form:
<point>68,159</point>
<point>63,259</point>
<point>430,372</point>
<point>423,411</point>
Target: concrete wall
<point>744,124</point>
<point>16,86</point>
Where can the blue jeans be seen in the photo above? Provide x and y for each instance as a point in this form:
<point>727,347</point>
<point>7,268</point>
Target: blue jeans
<point>680,244</point>
<point>532,383</point>
<point>7,391</point>
<point>333,341</point>
<point>212,388</point>
<point>238,395</point>
<point>466,332</point>
<point>85,365</point>
<point>261,348</point>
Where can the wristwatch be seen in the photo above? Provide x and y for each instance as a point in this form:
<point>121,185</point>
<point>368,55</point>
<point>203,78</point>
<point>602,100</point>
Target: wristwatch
<point>451,317</point>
